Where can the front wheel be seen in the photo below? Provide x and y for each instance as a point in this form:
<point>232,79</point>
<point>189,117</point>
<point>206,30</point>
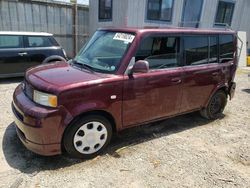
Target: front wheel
<point>87,137</point>
<point>215,106</point>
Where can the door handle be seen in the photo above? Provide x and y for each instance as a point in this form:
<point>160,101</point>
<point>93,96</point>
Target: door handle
<point>176,80</point>
<point>22,53</point>
<point>215,73</point>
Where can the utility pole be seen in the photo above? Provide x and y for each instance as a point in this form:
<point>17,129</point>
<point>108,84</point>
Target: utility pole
<point>75,26</point>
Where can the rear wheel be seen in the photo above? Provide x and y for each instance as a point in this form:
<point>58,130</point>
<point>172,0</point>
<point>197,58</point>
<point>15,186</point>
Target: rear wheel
<point>87,137</point>
<point>215,106</point>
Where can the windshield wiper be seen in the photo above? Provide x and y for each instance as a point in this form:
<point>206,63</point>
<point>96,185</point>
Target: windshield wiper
<point>83,65</point>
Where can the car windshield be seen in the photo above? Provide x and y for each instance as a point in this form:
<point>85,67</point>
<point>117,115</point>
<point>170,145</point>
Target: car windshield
<point>248,51</point>
<point>104,51</point>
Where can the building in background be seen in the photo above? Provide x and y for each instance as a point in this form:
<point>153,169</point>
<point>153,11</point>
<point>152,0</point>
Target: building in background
<point>181,13</point>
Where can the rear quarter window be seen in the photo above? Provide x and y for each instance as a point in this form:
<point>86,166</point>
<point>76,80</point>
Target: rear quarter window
<point>53,41</point>
<point>38,41</point>
<point>9,41</point>
<point>226,48</point>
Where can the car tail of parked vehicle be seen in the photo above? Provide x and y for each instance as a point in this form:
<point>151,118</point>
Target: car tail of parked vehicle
<point>120,79</point>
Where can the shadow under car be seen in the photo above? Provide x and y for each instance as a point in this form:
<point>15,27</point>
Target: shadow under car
<point>18,157</point>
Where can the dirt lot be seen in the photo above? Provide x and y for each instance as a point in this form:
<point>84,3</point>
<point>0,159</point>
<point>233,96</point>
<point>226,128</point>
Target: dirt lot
<point>185,151</point>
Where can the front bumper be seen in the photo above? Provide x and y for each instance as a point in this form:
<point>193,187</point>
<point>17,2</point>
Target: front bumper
<point>39,128</point>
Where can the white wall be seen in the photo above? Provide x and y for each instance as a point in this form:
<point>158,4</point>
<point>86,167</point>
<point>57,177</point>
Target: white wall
<point>119,15</point>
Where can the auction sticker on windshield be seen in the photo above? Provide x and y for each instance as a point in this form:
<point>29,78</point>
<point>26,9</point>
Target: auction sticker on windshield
<point>124,37</point>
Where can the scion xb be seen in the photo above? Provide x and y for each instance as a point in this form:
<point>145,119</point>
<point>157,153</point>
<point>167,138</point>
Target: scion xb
<point>120,79</point>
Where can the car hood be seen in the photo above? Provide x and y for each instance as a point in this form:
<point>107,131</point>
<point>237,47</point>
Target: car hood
<point>59,76</point>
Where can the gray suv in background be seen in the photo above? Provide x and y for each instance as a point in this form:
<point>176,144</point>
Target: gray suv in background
<point>22,50</point>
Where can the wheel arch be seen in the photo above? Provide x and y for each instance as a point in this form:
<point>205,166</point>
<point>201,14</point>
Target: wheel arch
<point>53,58</point>
<point>103,113</point>
<point>223,88</point>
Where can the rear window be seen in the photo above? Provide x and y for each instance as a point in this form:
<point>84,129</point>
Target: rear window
<point>226,48</point>
<point>9,41</point>
<point>38,41</point>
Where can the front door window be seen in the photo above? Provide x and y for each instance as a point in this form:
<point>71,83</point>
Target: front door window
<point>160,52</point>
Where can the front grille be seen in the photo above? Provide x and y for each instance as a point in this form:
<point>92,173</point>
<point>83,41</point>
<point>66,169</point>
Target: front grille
<point>28,90</point>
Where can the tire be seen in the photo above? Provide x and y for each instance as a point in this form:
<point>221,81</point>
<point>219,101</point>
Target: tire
<point>87,137</point>
<point>215,106</point>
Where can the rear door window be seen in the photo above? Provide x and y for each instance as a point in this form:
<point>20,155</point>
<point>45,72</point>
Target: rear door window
<point>10,41</point>
<point>37,41</point>
<point>226,48</point>
<point>196,50</point>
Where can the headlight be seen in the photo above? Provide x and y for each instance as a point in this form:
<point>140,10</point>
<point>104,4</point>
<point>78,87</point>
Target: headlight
<point>45,99</point>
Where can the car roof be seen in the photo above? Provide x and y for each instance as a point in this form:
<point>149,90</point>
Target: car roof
<point>170,30</point>
<point>25,33</point>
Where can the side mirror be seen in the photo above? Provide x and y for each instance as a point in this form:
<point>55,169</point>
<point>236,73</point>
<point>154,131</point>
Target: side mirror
<point>140,66</point>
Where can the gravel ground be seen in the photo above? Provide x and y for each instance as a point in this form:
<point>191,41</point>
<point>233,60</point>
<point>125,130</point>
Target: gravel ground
<point>185,151</point>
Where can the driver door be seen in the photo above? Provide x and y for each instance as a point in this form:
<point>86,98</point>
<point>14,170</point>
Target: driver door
<point>157,93</point>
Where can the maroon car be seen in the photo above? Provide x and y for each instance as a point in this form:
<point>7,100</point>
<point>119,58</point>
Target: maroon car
<point>120,79</point>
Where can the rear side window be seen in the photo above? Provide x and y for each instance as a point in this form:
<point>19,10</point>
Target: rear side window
<point>37,41</point>
<point>160,52</point>
<point>9,41</point>
<point>226,48</point>
<point>196,50</point>
<point>53,41</point>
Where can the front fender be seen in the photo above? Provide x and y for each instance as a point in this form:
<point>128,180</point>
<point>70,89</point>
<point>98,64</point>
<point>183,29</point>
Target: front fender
<point>113,110</point>
<point>88,107</point>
